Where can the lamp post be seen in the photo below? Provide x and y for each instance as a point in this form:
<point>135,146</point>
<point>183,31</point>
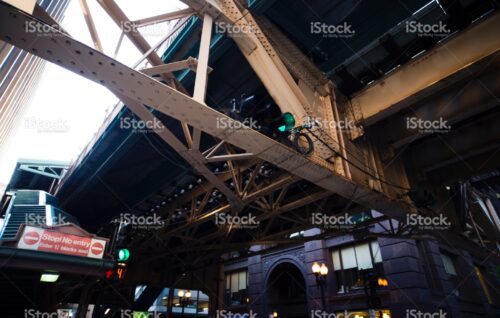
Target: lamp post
<point>183,299</point>
<point>372,281</point>
<point>321,272</point>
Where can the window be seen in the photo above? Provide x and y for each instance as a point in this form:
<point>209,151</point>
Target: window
<point>297,234</point>
<point>350,261</point>
<point>381,313</point>
<point>236,288</point>
<point>461,285</point>
<point>449,267</point>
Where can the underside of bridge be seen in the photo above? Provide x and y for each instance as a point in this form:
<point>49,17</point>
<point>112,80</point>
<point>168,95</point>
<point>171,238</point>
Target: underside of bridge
<point>271,125</point>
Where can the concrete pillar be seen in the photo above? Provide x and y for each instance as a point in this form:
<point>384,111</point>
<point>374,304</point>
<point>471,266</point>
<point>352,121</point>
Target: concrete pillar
<point>256,285</point>
<point>315,252</point>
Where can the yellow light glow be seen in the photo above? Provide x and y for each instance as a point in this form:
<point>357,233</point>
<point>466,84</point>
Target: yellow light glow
<point>188,294</point>
<point>180,293</point>
<point>323,270</point>
<point>382,282</point>
<point>316,268</point>
<point>275,314</point>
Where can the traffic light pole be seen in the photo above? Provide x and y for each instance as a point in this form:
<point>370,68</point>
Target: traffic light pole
<point>368,280</point>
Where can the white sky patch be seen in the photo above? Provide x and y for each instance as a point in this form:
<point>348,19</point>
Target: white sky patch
<point>66,110</point>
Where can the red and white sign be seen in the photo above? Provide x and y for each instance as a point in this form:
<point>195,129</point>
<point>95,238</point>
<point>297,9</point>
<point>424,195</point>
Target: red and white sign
<point>39,239</point>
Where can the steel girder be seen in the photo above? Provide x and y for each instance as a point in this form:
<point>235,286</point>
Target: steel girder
<point>144,90</point>
<point>388,95</point>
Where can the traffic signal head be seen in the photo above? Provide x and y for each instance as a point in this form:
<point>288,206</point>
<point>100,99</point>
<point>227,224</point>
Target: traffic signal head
<point>123,255</point>
<point>288,122</point>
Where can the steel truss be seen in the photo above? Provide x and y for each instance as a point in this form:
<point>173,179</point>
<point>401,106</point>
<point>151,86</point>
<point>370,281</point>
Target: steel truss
<point>244,186</point>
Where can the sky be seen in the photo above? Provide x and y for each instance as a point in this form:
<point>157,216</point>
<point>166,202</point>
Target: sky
<point>66,110</point>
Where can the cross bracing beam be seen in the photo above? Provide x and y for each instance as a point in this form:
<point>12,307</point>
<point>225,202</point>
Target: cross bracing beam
<point>95,66</point>
<point>190,63</point>
<point>163,17</point>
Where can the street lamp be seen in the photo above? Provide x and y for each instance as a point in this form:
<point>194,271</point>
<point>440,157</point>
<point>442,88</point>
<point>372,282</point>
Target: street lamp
<point>183,299</point>
<point>320,272</point>
<point>373,280</point>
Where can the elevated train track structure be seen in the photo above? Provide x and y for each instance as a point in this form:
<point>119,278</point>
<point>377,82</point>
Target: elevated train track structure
<point>377,164</point>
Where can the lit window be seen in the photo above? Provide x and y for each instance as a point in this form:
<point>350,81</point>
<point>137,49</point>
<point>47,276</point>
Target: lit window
<point>236,288</point>
<point>348,262</point>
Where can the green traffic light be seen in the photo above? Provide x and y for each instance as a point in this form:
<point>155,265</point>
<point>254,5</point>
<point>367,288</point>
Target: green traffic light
<point>123,255</point>
<point>288,120</point>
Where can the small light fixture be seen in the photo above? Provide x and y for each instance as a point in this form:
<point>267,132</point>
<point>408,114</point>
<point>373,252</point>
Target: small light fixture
<point>323,270</point>
<point>188,294</point>
<point>316,268</point>
<point>275,314</point>
<point>180,293</point>
<point>49,277</point>
<point>382,282</point>
<point>107,311</point>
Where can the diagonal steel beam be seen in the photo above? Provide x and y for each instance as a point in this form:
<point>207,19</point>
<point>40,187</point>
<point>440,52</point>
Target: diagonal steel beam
<point>90,24</point>
<point>87,62</point>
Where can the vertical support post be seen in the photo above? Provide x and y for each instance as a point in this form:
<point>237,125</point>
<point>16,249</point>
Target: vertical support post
<point>170,303</point>
<point>84,300</point>
<point>200,84</point>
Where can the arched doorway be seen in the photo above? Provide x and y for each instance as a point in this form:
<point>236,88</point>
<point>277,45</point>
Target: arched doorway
<point>286,292</point>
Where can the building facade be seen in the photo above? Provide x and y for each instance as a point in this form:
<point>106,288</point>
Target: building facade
<point>20,72</point>
<point>424,277</point>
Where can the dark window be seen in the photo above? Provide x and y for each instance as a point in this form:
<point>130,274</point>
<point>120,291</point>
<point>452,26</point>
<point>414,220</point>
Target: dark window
<point>460,275</point>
